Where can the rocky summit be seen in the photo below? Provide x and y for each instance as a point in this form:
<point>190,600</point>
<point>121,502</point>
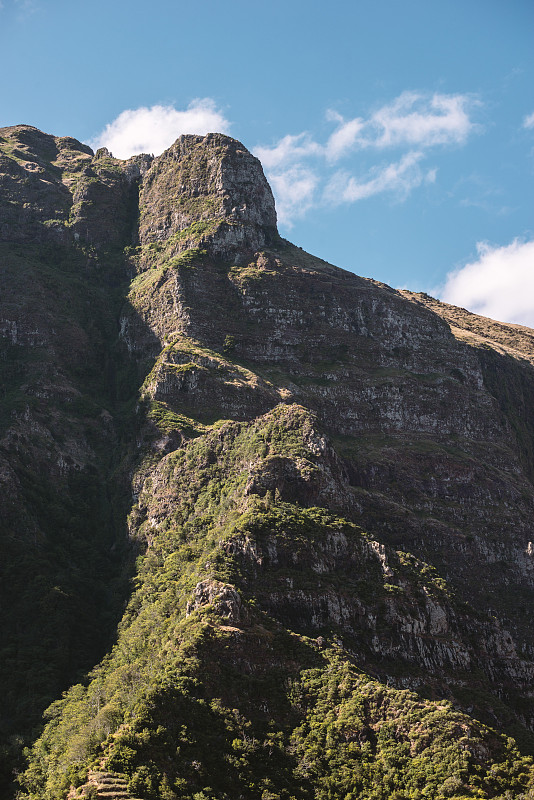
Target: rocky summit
<point>267,526</point>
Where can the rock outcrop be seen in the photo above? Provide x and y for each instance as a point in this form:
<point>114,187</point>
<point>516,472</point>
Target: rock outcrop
<point>207,191</point>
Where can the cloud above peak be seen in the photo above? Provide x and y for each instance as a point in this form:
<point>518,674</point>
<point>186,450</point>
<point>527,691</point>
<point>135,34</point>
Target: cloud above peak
<point>415,119</point>
<point>399,178</point>
<point>288,149</point>
<point>412,119</point>
<point>412,125</point>
<point>154,129</point>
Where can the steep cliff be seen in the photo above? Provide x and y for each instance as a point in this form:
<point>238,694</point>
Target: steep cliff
<point>328,485</point>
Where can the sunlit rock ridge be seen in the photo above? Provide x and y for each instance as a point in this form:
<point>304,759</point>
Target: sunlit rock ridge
<point>267,526</point>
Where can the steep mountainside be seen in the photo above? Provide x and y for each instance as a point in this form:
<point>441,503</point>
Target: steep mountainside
<point>321,487</point>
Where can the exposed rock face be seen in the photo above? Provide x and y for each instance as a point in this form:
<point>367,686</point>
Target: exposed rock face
<point>437,450</point>
<point>207,191</point>
<point>292,448</point>
<point>223,598</point>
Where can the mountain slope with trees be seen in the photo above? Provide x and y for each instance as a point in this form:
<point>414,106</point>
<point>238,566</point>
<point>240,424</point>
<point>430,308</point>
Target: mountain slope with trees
<point>267,522</point>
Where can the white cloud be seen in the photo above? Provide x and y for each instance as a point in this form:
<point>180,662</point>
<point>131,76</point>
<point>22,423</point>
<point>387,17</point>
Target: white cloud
<point>289,149</point>
<point>413,122</point>
<point>499,285</point>
<point>294,190</point>
<point>343,140</point>
<point>399,178</point>
<point>528,122</point>
<point>414,119</point>
<point>411,119</point>
<point>154,129</point>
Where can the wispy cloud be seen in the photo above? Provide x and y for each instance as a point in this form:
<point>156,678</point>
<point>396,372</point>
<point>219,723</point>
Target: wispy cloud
<point>415,119</point>
<point>294,189</point>
<point>289,149</point>
<point>399,178</point>
<point>152,130</point>
<point>528,122</point>
<point>414,122</point>
<point>500,284</point>
<point>346,136</point>
<point>412,119</point>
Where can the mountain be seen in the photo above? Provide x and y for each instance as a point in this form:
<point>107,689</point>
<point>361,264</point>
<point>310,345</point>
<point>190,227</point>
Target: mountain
<point>267,525</point>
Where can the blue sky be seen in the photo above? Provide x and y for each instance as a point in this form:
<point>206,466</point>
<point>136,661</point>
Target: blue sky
<point>398,136</point>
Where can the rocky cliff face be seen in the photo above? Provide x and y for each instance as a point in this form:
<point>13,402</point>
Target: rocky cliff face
<point>206,191</point>
<point>320,475</point>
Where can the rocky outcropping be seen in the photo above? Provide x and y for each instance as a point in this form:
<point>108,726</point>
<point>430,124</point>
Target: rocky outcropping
<point>207,192</point>
<point>222,597</point>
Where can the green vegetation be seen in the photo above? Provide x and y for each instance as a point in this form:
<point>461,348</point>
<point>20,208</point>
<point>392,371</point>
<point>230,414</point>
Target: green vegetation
<point>188,259</point>
<point>197,230</point>
<point>167,421</point>
<point>360,740</point>
<point>242,275</point>
<point>229,343</point>
<point>177,707</point>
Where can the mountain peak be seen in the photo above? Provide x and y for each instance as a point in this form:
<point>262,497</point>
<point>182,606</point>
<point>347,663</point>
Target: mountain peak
<point>208,192</point>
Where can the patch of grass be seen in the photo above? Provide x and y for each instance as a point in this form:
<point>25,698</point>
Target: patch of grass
<point>168,421</point>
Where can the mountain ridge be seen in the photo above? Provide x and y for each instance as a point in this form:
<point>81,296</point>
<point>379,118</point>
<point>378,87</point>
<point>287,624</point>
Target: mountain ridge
<point>315,461</point>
